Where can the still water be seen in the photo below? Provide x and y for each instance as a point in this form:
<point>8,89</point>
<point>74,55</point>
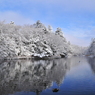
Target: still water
<point>72,76</point>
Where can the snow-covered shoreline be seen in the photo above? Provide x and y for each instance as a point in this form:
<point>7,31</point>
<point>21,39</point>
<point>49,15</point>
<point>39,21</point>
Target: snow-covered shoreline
<point>33,41</point>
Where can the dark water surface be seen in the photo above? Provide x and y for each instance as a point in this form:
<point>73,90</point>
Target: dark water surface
<point>72,76</point>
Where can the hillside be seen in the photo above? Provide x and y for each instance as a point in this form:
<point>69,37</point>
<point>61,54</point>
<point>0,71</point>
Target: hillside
<point>91,49</point>
<point>30,41</point>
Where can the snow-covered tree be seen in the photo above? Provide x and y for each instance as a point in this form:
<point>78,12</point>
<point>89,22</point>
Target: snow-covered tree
<point>91,48</point>
<point>59,32</point>
<point>32,40</point>
<point>50,28</point>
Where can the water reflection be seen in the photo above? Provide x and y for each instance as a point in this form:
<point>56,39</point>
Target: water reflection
<point>91,62</point>
<point>34,76</point>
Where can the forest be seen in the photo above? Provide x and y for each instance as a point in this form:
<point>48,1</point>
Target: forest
<point>37,41</point>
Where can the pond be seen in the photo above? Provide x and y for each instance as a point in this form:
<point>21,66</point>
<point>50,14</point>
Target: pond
<point>72,76</point>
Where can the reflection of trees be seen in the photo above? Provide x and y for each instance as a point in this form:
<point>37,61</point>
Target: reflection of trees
<point>16,76</point>
<point>30,76</point>
<point>91,61</point>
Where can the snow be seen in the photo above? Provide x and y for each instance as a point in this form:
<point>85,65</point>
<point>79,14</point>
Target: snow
<point>91,49</point>
<point>33,41</point>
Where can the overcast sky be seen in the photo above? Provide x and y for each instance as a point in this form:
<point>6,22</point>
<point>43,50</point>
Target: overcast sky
<point>75,17</point>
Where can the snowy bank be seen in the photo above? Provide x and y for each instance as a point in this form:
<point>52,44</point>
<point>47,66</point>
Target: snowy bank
<point>32,41</point>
